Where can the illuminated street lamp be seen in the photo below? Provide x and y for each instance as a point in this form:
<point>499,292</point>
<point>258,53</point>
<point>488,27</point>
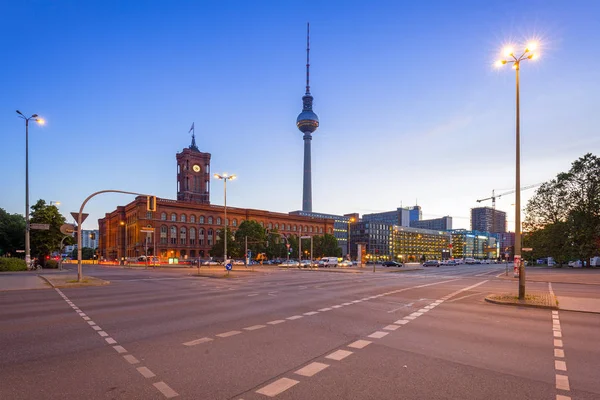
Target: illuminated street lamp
<point>350,220</point>
<point>40,121</point>
<point>122,223</point>
<point>510,58</point>
<point>54,203</point>
<point>225,177</point>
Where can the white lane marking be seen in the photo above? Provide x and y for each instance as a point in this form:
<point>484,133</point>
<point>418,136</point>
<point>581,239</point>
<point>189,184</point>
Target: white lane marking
<point>110,340</point>
<point>464,297</point>
<point>86,318</point>
<point>391,327</point>
<point>293,317</point>
<point>356,301</point>
<point>561,397</point>
<point>165,390</point>
<point>554,312</point>
<point>91,323</point>
<point>102,333</point>
<point>558,343</point>
<point>255,327</point>
<point>347,304</point>
<point>401,322</point>
<point>359,344</point>
<point>120,349</point>
<point>277,387</point>
<point>96,328</point>
<point>338,355</point>
<point>311,313</point>
<point>253,294</point>
<point>409,317</point>
<point>131,359</point>
<point>279,321</point>
<point>338,306</point>
<point>378,334</point>
<point>146,373</point>
<point>423,310</point>
<point>560,365</point>
<point>227,334</point>
<point>312,369</point>
<point>560,353</point>
<point>325,309</point>
<point>198,341</point>
<point>562,382</point>
<point>416,314</point>
<point>557,334</point>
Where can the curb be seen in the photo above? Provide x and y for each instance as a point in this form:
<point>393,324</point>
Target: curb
<point>47,281</point>
<point>510,303</point>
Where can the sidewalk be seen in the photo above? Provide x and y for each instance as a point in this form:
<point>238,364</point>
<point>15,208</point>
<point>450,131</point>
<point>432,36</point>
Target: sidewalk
<point>22,280</point>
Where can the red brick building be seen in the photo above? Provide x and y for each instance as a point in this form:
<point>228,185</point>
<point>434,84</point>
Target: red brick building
<point>189,226</point>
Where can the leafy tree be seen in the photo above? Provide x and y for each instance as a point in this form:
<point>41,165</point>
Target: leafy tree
<point>326,246</point>
<point>44,242</point>
<point>87,253</point>
<point>563,217</point>
<point>256,235</point>
<point>218,249</point>
<point>12,233</point>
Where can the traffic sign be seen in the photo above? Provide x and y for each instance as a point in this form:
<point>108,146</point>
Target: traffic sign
<point>75,215</point>
<point>43,227</point>
<point>67,229</point>
<point>228,267</point>
<point>527,249</point>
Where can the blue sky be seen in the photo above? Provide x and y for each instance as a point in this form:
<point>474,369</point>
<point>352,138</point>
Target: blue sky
<point>410,106</point>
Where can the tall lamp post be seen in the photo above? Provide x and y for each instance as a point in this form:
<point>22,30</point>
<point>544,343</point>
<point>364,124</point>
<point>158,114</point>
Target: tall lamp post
<point>350,220</point>
<point>123,223</point>
<point>40,121</point>
<point>225,177</point>
<point>511,58</point>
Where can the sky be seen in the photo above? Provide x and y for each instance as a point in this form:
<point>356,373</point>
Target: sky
<point>411,108</point>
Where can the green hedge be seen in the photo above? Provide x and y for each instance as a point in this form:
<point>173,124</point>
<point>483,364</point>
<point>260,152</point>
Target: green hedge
<point>12,264</point>
<point>51,264</point>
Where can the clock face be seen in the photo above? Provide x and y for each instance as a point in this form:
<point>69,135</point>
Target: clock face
<point>196,168</point>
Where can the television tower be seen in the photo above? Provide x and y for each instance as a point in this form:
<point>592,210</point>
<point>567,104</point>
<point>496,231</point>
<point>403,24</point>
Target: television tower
<point>307,122</point>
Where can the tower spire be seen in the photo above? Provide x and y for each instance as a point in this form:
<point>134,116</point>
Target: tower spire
<point>308,58</point>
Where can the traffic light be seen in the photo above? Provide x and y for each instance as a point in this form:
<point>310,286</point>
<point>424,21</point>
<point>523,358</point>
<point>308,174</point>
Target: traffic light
<point>151,203</point>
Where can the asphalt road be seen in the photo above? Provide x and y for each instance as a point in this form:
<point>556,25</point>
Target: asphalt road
<point>295,334</point>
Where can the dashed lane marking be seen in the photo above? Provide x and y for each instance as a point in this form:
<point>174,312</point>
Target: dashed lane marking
<point>277,387</point>
<point>255,327</point>
<point>311,313</point>
<point>278,321</point>
<point>359,344</point>
<point>562,382</point>
<point>325,309</point>
<point>198,341</point>
<point>338,355</point>
<point>293,317</point>
<point>120,349</point>
<point>146,373</point>
<point>227,334</point>
<point>378,334</point>
<point>391,327</point>
<point>165,390</point>
<point>131,359</point>
<point>312,369</point>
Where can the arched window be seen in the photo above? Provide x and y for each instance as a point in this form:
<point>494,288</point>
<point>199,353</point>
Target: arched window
<point>174,217</point>
<point>234,222</point>
<point>163,233</point>
<point>163,216</point>
<point>182,235</point>
<point>210,237</point>
<point>320,230</point>
<point>192,236</point>
<point>276,226</point>
<point>173,235</point>
<point>193,219</point>
<point>294,228</point>
<point>311,229</point>
<point>270,225</point>
<point>201,236</point>
<point>218,220</point>
<point>183,218</point>
<point>210,220</point>
<point>201,219</point>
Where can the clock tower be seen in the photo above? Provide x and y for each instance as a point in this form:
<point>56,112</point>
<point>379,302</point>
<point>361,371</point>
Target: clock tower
<point>193,175</point>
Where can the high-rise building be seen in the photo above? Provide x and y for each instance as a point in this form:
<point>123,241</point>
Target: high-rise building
<point>307,122</point>
<point>487,219</point>
<point>415,213</point>
<point>440,224</point>
<point>400,216</point>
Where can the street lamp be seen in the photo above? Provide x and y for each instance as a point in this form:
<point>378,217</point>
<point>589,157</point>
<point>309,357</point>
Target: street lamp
<point>510,58</point>
<point>55,203</point>
<point>225,177</point>
<point>40,121</point>
<point>122,223</point>
<point>350,220</point>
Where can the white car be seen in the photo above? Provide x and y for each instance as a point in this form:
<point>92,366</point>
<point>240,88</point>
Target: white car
<point>290,263</point>
<point>345,263</point>
<point>305,263</point>
<point>211,262</point>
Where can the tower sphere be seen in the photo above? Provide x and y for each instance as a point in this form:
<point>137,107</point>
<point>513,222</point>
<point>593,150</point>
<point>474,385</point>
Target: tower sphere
<point>307,122</point>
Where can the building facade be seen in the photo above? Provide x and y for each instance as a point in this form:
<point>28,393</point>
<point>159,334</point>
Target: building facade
<point>439,224</point>
<point>189,226</point>
<point>474,244</point>
<point>487,219</point>
<point>340,226</point>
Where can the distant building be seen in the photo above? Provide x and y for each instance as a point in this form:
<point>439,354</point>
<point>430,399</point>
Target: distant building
<point>400,216</point>
<point>340,226</point>
<point>89,238</point>
<point>474,244</point>
<point>487,219</point>
<point>440,224</point>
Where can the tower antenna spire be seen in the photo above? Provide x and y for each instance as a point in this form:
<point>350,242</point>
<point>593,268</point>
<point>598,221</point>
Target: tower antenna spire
<point>308,58</point>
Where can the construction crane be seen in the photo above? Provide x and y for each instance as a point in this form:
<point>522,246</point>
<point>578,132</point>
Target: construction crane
<point>495,196</point>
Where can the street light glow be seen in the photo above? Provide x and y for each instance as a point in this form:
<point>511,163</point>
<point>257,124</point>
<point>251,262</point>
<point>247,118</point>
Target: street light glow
<point>40,121</point>
<point>508,51</point>
<point>531,46</point>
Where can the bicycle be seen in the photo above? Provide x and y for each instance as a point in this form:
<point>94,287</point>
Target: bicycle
<point>33,266</point>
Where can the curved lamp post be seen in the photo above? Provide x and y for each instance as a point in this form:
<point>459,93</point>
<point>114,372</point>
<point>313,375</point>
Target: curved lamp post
<point>511,58</point>
<point>40,121</point>
<point>225,177</point>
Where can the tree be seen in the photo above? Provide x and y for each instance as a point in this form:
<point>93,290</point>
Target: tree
<point>326,245</point>
<point>563,218</point>
<point>44,242</point>
<point>87,253</point>
<point>218,249</point>
<point>12,233</point>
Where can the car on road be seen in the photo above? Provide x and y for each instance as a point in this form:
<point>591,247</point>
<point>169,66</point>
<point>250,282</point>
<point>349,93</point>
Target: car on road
<point>451,262</point>
<point>329,262</point>
<point>431,263</point>
<point>211,262</point>
<point>305,263</point>
<point>345,263</point>
<point>290,263</point>
<point>392,264</point>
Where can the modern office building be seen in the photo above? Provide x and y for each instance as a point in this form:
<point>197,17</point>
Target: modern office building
<point>474,244</point>
<point>189,226</point>
<point>89,238</point>
<point>439,224</point>
<point>487,219</point>
<point>340,226</point>
<point>415,213</point>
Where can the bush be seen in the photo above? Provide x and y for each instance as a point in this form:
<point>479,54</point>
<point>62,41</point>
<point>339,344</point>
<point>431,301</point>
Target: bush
<point>51,264</point>
<point>12,264</point>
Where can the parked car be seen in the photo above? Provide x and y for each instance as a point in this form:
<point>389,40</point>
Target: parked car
<point>289,263</point>
<point>470,261</point>
<point>305,263</point>
<point>345,263</point>
<point>575,264</point>
<point>238,262</point>
<point>431,263</point>
<point>451,262</point>
<point>330,261</point>
<point>392,264</point>
<point>210,262</point>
